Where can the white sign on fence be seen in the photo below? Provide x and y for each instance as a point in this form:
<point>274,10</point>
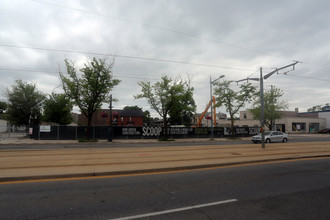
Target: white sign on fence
<point>151,131</point>
<point>44,128</point>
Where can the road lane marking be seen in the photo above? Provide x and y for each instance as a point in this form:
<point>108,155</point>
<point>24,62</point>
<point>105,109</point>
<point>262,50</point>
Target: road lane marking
<point>175,210</point>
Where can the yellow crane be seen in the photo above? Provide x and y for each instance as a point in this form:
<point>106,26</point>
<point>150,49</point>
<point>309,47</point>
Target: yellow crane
<point>206,109</point>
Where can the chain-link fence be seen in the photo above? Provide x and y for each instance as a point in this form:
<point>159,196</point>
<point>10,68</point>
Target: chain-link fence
<point>12,132</point>
<point>119,132</point>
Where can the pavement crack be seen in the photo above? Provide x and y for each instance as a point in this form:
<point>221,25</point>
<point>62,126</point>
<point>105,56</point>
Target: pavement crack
<point>172,194</point>
<point>199,210</point>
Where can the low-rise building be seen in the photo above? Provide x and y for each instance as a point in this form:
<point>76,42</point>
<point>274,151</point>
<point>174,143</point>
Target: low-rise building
<point>119,117</point>
<point>291,121</point>
<point>326,115</point>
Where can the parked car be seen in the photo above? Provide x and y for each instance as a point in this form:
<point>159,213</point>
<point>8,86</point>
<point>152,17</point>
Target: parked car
<point>271,136</point>
<point>325,131</point>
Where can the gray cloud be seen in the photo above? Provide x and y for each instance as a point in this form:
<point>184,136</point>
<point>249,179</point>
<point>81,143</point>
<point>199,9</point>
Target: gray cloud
<point>238,34</point>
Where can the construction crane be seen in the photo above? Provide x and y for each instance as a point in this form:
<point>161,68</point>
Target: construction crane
<point>206,109</point>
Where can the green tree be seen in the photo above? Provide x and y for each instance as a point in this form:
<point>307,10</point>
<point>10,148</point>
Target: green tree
<point>146,118</point>
<point>89,89</point>
<point>167,96</point>
<point>318,108</point>
<point>57,109</point>
<point>183,104</point>
<point>315,108</point>
<point>135,107</point>
<point>3,107</point>
<point>24,103</point>
<point>231,99</point>
<point>272,107</point>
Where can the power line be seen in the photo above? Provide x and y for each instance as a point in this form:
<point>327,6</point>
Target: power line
<point>294,91</point>
<point>26,70</point>
<point>117,75</point>
<point>122,56</point>
<point>159,28</point>
<point>308,77</point>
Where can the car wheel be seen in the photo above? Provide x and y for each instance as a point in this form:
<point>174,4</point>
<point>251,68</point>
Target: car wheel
<point>285,140</point>
<point>267,140</point>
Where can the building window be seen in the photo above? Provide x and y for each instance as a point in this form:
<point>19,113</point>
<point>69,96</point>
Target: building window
<point>245,116</point>
<point>298,126</point>
<point>314,127</point>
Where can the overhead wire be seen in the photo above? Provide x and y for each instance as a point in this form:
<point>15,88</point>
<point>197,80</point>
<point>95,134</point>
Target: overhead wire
<point>300,92</point>
<point>122,56</point>
<point>163,29</point>
<point>117,75</point>
<point>160,28</point>
<point>308,77</point>
<point>307,92</point>
<point>145,58</point>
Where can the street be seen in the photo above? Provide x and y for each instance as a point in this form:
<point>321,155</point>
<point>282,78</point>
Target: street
<point>284,190</point>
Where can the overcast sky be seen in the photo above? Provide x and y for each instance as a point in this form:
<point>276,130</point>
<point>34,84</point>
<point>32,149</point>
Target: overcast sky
<point>196,38</point>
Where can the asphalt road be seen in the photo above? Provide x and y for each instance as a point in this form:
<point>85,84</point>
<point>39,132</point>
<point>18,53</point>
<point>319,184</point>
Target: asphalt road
<point>286,190</point>
<point>292,138</point>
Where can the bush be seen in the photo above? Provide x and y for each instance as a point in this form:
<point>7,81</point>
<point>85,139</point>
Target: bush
<point>165,139</point>
<point>85,140</point>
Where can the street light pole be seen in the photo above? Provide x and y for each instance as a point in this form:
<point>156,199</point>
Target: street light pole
<point>262,115</point>
<point>211,99</point>
<point>261,79</point>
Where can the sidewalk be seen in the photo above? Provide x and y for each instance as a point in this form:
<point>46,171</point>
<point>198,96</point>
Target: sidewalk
<point>32,164</point>
<point>27,141</point>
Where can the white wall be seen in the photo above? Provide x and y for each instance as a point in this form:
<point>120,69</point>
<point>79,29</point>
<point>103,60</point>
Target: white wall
<point>3,125</point>
<point>288,123</point>
<point>325,115</point>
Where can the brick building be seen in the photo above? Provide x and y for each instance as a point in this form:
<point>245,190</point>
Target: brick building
<point>119,117</point>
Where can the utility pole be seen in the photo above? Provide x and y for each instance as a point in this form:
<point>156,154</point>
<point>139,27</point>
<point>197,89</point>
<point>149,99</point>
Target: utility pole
<point>211,99</point>
<point>262,113</point>
<point>110,122</point>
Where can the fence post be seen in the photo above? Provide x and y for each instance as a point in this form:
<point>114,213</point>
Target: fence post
<point>58,132</point>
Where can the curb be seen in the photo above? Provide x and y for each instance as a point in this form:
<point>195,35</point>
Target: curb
<point>154,171</point>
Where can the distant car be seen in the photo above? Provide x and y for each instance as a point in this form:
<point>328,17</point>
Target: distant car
<point>271,136</point>
<point>325,131</point>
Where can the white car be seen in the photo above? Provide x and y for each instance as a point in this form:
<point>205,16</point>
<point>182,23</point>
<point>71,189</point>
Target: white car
<point>271,136</point>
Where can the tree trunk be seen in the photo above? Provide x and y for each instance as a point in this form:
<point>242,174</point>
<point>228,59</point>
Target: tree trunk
<point>232,127</point>
<point>165,127</point>
<point>271,123</point>
<point>88,131</point>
